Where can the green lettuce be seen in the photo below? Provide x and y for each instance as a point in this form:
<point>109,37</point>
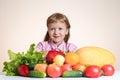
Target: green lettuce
<point>30,58</point>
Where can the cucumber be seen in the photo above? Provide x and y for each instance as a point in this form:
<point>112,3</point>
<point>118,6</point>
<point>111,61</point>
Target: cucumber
<point>75,73</point>
<point>36,74</point>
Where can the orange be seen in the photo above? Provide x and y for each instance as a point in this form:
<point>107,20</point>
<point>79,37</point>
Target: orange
<point>93,55</point>
<point>80,67</point>
<point>72,58</point>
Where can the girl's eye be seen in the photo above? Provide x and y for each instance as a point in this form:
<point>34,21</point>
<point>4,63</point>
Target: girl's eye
<point>60,28</point>
<point>52,29</point>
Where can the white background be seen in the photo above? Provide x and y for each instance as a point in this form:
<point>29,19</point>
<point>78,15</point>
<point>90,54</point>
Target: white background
<point>93,22</point>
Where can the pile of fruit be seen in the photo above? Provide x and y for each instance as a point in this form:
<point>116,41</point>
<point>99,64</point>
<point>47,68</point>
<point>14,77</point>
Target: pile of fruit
<point>88,62</point>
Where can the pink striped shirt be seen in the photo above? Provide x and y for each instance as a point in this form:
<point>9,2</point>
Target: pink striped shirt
<point>49,45</point>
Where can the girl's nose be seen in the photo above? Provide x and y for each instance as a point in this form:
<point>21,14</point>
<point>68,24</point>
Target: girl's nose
<point>56,31</point>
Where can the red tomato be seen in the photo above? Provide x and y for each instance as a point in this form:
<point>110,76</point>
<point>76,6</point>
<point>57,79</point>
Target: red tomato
<point>54,70</point>
<point>23,70</point>
<point>92,71</point>
<point>66,67</point>
<point>108,70</point>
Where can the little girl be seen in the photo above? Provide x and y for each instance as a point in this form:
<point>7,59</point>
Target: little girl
<point>58,33</point>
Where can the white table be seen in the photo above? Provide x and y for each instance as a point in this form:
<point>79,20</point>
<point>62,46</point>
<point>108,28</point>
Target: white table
<point>116,76</point>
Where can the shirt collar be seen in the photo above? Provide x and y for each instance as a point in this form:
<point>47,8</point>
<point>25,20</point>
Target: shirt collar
<point>54,46</point>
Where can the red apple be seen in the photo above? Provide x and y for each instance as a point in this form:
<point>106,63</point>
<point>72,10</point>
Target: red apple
<point>66,67</point>
<point>54,71</point>
<point>51,54</point>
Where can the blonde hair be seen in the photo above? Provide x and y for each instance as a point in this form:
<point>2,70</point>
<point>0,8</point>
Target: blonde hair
<point>58,17</point>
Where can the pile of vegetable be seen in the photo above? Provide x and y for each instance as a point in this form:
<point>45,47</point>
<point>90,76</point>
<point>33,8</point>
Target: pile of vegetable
<point>55,64</point>
<point>30,59</point>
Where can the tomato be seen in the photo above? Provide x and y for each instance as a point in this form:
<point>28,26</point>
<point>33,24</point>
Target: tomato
<point>92,71</point>
<point>54,70</point>
<point>66,67</point>
<point>23,70</point>
<point>108,70</point>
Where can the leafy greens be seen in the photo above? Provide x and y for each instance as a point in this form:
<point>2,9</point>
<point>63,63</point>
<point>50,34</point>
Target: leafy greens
<point>30,58</point>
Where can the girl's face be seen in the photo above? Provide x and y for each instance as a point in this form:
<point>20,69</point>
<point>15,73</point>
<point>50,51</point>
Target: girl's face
<point>57,32</point>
